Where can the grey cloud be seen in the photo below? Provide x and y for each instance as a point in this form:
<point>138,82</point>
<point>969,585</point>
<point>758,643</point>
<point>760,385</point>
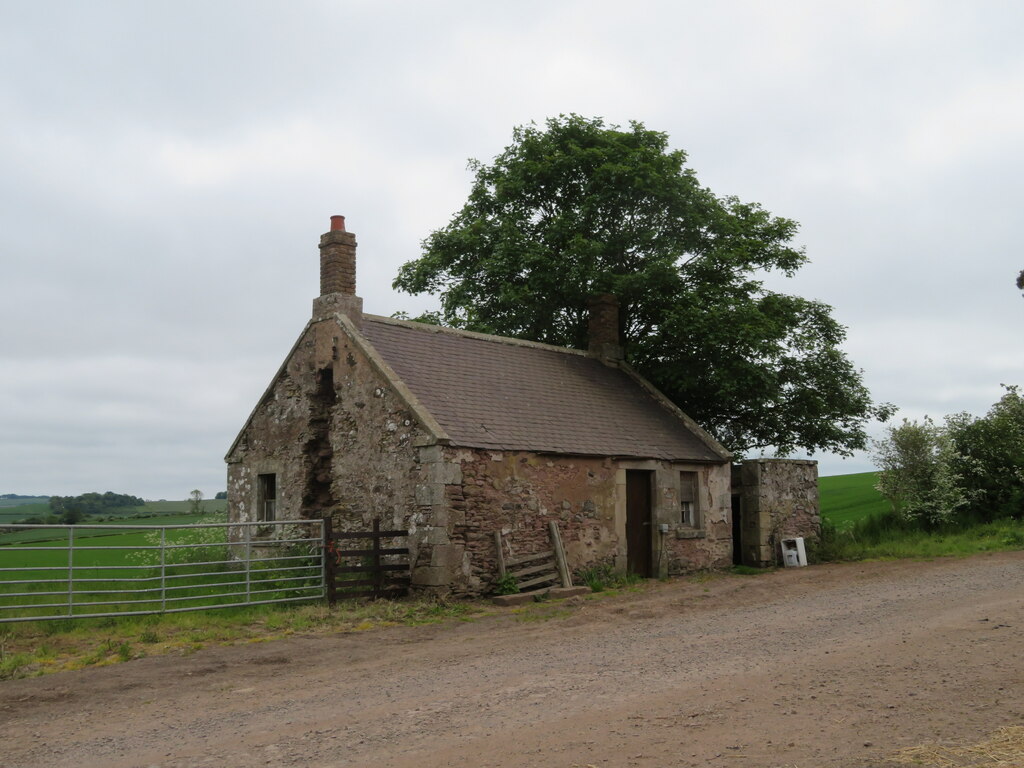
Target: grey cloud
<point>166,170</point>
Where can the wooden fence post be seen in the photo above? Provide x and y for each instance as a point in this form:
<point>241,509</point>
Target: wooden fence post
<point>501,555</point>
<point>378,574</point>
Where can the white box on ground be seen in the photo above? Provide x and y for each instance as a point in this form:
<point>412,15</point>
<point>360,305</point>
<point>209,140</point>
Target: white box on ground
<point>793,553</point>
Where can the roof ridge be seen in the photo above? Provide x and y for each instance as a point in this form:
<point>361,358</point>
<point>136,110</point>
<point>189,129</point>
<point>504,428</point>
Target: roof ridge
<point>429,328</point>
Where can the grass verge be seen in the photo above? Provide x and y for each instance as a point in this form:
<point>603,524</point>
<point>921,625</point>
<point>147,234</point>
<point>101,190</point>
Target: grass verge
<point>36,648</point>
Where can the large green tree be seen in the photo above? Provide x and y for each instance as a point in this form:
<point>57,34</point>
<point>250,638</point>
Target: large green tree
<point>576,208</point>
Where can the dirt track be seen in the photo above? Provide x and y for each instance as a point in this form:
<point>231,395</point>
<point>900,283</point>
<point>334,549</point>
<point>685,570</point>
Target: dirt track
<point>823,666</point>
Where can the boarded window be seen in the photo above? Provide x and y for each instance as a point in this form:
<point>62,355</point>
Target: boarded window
<point>689,508</point>
<point>266,504</point>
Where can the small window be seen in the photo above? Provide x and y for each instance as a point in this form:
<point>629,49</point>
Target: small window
<point>689,509</point>
<point>266,503</point>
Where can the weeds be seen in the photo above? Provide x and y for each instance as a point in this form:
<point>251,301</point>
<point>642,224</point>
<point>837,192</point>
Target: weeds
<point>5,636</point>
<point>602,577</point>
<point>14,665</point>
<point>506,585</point>
<point>58,627</point>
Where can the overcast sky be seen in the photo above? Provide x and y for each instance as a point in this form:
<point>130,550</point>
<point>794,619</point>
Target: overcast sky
<point>167,168</point>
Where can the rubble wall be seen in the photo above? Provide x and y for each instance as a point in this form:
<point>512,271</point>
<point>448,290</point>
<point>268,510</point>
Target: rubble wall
<point>519,493</point>
<point>339,438</point>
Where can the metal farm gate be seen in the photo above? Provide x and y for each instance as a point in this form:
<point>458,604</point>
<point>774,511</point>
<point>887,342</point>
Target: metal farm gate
<point>80,571</point>
<point>89,571</point>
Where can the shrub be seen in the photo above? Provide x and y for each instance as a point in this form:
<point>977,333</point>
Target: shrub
<point>506,585</point>
<point>826,546</point>
<point>917,475</point>
<point>989,458</point>
<point>213,540</point>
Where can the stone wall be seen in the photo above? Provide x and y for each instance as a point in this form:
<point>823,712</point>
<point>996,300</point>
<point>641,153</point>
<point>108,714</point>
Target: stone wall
<point>779,499</point>
<point>708,545</point>
<point>340,439</point>
<point>519,493</point>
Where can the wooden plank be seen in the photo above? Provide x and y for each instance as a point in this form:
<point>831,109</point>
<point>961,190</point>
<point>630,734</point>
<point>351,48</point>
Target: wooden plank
<point>511,562</point>
<point>344,584</point>
<point>372,568</point>
<point>501,554</point>
<point>370,535</point>
<point>534,569</point>
<point>368,552</point>
<point>538,580</point>
<point>556,542</point>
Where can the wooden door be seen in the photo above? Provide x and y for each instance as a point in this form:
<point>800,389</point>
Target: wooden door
<point>638,522</point>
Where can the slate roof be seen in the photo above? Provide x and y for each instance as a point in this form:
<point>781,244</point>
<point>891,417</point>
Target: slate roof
<point>503,394</point>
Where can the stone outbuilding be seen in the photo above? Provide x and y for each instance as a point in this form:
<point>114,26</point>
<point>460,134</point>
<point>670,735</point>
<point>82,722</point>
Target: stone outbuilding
<point>454,435</point>
<point>773,499</point>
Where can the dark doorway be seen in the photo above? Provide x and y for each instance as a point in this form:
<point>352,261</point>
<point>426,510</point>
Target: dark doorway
<point>638,522</point>
<point>737,529</point>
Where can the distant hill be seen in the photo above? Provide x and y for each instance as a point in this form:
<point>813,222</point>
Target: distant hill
<point>17,500</point>
<point>845,499</point>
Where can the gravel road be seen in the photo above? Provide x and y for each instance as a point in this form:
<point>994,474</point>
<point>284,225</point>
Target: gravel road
<point>835,665</point>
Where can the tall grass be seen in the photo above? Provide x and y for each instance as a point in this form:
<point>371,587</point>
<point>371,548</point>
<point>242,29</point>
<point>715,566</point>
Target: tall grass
<point>888,537</point>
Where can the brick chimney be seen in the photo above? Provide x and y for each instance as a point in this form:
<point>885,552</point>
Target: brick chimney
<point>603,328</point>
<point>338,275</point>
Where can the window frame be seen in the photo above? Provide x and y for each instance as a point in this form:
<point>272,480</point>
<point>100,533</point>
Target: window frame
<point>690,510</point>
<point>265,502</point>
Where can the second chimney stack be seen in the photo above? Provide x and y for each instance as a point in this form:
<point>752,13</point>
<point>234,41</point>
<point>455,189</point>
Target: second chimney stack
<point>603,328</point>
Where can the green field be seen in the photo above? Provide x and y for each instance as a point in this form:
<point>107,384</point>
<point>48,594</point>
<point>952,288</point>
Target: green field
<point>94,528</point>
<point>846,499</point>
<point>13,513</point>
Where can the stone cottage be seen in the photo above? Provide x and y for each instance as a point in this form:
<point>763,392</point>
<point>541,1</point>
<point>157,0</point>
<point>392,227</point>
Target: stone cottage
<point>454,435</point>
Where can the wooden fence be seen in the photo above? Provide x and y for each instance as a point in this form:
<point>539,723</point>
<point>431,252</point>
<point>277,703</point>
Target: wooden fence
<point>535,570</point>
<point>372,571</point>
